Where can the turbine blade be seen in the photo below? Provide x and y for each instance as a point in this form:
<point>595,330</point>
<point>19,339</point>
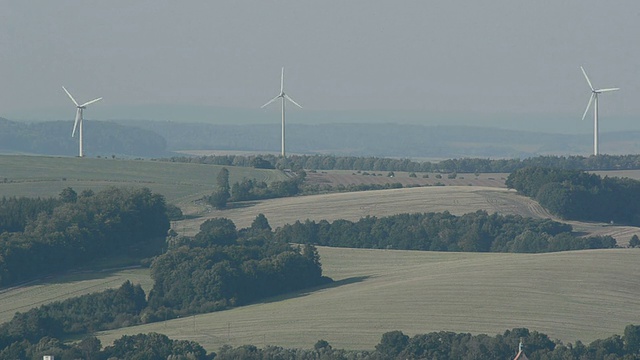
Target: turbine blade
<point>91,102</point>
<point>70,97</point>
<point>270,101</point>
<point>75,124</point>
<point>606,90</point>
<point>290,99</point>
<point>282,81</point>
<point>588,105</point>
<point>586,77</point>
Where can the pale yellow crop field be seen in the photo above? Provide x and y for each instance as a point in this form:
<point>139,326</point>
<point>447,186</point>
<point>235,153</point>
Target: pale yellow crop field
<point>458,200</point>
<point>571,295</point>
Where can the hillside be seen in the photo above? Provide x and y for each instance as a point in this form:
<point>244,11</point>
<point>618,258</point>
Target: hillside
<point>184,183</point>
<point>180,183</point>
<point>458,200</point>
<point>61,287</point>
<point>571,295</point>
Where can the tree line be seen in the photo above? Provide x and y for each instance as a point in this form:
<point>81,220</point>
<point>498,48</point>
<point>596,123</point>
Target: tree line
<point>475,232</point>
<point>44,235</point>
<point>372,163</point>
<point>109,309</point>
<point>221,267</point>
<point>142,346</point>
<point>218,268</point>
<point>577,195</point>
<point>251,189</point>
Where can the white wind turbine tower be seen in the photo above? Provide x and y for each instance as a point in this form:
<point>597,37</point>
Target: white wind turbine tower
<point>594,95</point>
<point>283,96</point>
<point>79,118</point>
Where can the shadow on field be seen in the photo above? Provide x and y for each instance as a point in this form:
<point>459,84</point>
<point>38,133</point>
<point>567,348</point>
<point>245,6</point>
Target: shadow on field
<point>82,275</point>
<point>242,205</point>
<point>305,292</point>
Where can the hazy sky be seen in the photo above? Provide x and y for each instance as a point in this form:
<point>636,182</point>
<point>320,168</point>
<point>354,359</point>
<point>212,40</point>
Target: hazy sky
<point>480,58</point>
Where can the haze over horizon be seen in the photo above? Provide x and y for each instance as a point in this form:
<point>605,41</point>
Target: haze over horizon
<point>500,63</point>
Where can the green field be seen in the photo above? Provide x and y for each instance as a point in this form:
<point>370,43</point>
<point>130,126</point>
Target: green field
<point>570,295</point>
<point>180,183</point>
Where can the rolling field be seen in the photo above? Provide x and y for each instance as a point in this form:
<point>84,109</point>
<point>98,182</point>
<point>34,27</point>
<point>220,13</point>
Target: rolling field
<point>458,200</point>
<point>571,295</point>
<point>57,288</point>
<point>180,183</point>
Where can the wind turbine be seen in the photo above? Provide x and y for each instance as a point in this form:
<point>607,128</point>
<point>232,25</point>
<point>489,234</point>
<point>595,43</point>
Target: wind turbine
<point>283,96</point>
<point>79,109</point>
<point>594,95</point>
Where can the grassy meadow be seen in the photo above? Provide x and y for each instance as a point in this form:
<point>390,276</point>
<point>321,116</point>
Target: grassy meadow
<point>570,295</point>
<point>180,183</point>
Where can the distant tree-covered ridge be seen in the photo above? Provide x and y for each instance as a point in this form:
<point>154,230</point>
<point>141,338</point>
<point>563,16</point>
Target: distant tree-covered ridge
<point>576,195</point>
<point>76,229</point>
<point>474,232</point>
<point>462,165</point>
<point>101,138</point>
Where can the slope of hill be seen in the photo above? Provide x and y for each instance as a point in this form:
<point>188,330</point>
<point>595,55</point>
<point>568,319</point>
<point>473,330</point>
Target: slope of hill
<point>180,183</point>
<point>571,295</point>
<point>61,287</point>
<point>458,200</point>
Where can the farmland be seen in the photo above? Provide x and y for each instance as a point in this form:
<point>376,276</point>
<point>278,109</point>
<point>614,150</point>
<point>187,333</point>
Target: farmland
<point>458,200</point>
<point>575,295</point>
<point>180,183</point>
<point>571,295</point>
<point>61,287</point>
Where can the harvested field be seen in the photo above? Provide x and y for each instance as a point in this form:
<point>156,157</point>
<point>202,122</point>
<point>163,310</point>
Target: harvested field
<point>458,200</point>
<point>570,295</point>
<point>60,287</point>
